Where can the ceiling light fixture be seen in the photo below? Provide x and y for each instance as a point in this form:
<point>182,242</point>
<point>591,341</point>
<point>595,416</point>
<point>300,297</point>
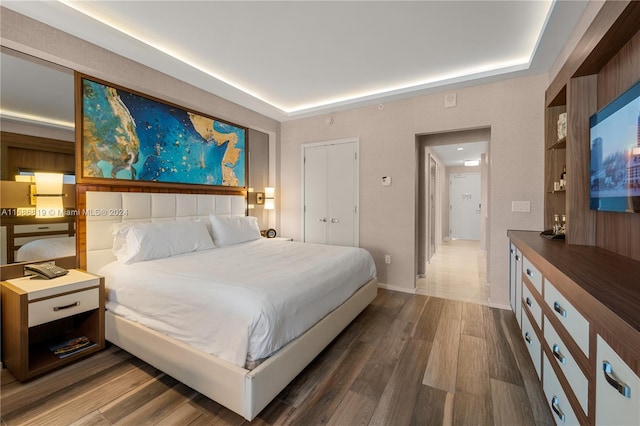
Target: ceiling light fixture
<point>470,163</point>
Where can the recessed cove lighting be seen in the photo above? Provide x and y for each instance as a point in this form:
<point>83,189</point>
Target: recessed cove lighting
<point>36,119</point>
<point>469,163</point>
<point>460,148</point>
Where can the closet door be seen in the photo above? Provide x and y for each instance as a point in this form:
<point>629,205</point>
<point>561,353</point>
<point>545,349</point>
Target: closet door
<point>331,193</point>
<point>341,178</point>
<point>315,194</point>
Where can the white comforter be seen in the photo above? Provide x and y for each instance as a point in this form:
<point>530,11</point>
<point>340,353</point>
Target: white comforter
<point>242,302</point>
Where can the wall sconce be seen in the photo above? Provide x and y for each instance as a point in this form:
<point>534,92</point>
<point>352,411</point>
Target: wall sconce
<point>269,198</point>
<point>254,198</point>
<point>48,194</point>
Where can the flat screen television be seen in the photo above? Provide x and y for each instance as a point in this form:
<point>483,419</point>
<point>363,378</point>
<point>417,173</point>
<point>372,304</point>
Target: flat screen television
<point>615,154</point>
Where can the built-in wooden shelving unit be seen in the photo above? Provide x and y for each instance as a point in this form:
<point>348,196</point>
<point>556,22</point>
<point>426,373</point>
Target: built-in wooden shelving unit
<point>602,66</point>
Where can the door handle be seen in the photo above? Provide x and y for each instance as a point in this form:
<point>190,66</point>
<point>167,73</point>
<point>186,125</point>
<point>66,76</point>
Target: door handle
<point>324,219</point>
<point>334,220</point>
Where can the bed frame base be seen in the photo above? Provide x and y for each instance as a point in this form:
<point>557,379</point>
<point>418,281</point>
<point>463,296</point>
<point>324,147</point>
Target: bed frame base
<point>243,391</point>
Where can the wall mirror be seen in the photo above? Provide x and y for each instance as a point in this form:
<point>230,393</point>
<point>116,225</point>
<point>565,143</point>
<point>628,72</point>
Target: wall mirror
<point>37,135</point>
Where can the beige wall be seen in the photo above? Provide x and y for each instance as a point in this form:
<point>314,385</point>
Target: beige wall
<point>513,109</point>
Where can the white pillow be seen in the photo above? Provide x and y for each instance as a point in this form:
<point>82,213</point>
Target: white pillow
<point>136,242</point>
<point>229,230</point>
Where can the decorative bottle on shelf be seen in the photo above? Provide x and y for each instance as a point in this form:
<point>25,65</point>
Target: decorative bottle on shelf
<point>563,225</point>
<point>556,224</point>
<point>563,177</point>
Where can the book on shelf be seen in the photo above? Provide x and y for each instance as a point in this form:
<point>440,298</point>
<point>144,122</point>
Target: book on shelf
<point>71,346</point>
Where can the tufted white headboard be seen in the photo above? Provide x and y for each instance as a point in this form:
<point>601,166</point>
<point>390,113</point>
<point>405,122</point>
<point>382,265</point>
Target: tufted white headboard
<point>106,208</point>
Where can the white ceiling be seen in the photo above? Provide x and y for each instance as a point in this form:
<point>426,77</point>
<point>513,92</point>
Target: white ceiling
<point>451,155</point>
<point>298,58</point>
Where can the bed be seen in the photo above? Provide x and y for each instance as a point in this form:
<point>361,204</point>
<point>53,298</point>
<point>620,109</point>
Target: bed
<point>46,248</point>
<point>244,380</point>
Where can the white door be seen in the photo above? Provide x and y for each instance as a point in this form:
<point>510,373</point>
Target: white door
<point>331,193</point>
<point>464,217</point>
<point>315,194</point>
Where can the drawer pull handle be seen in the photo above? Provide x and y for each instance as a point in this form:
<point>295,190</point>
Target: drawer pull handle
<point>527,337</point>
<point>529,273</point>
<point>43,227</point>
<point>511,251</point>
<point>615,383</point>
<point>558,354</point>
<point>71,305</point>
<point>559,309</point>
<point>529,302</point>
<point>517,258</point>
<point>556,408</point>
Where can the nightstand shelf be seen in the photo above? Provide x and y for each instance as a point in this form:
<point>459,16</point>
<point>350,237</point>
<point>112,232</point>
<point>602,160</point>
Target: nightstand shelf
<point>39,313</point>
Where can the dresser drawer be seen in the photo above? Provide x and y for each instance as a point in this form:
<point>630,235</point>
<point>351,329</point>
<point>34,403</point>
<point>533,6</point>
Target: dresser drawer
<point>37,227</point>
<point>617,389</point>
<point>532,274</point>
<point>531,341</point>
<point>566,362</point>
<point>571,319</point>
<point>556,399</point>
<point>530,303</point>
<point>64,306</point>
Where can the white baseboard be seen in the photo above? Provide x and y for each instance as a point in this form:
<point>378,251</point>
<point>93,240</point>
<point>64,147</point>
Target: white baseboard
<point>397,288</point>
<point>500,305</point>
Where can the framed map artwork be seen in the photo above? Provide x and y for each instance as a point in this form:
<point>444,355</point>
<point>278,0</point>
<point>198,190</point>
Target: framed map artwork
<point>126,136</point>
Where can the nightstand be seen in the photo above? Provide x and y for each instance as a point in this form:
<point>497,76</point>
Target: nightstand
<point>38,314</point>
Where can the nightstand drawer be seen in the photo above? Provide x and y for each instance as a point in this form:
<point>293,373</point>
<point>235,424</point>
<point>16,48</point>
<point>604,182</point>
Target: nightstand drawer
<point>63,306</point>
<point>23,229</point>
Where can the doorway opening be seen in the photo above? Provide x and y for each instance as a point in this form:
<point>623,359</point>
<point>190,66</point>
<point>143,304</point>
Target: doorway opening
<point>453,214</point>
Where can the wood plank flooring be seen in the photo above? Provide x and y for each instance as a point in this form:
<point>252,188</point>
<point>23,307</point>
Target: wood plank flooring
<point>406,360</point>
<point>457,271</point>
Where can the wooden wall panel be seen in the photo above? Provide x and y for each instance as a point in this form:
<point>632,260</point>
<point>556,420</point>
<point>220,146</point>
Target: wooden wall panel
<point>32,152</point>
<point>592,51</point>
<point>581,104</point>
<point>619,232</point>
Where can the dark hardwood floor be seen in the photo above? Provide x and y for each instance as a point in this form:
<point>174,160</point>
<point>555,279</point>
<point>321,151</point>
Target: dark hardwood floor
<point>405,360</point>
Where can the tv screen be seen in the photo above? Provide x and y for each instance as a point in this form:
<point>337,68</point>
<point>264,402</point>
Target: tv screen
<point>615,154</point>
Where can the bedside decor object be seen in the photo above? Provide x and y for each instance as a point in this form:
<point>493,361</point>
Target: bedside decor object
<point>271,233</point>
<point>126,136</point>
<point>562,126</point>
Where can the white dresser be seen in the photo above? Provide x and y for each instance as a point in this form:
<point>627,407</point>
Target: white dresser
<point>580,318</point>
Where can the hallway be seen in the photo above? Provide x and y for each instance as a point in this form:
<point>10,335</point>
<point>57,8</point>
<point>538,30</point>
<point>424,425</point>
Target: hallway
<point>458,271</point>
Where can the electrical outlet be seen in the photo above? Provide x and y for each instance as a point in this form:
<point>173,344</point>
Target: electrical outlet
<point>387,258</point>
